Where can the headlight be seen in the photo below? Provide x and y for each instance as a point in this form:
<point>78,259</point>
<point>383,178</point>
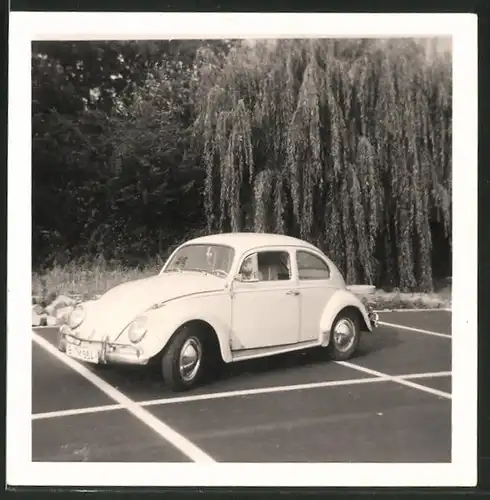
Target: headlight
<point>76,317</point>
<point>137,329</point>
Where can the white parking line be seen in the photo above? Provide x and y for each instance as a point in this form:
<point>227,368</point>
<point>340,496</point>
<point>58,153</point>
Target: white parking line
<point>265,390</point>
<point>231,394</point>
<point>284,388</point>
<point>215,395</point>
<point>412,329</point>
<point>163,430</point>
<point>396,379</point>
<point>425,375</point>
<point>76,411</point>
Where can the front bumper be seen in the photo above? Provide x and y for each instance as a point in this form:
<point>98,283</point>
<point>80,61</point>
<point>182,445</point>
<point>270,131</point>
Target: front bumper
<point>102,351</point>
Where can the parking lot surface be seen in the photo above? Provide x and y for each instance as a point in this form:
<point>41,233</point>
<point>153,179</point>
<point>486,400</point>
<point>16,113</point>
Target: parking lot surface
<point>391,403</point>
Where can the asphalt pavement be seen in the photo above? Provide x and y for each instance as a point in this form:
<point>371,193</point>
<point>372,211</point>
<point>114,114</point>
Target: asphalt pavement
<point>391,403</point>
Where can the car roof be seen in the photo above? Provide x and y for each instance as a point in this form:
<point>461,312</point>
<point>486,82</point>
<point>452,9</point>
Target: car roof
<point>243,241</point>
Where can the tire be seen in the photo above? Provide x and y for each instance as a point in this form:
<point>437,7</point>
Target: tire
<point>342,349</point>
<point>175,376</point>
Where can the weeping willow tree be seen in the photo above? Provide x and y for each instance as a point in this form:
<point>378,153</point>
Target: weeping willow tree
<point>344,143</point>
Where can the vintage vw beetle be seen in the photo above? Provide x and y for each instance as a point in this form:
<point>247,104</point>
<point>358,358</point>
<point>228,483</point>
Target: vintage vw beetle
<point>225,297</point>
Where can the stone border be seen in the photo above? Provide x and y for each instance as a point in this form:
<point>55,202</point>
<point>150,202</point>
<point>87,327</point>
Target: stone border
<point>56,313</point>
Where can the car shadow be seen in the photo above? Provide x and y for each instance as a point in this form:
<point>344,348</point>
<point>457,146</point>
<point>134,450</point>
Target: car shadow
<point>378,341</point>
<point>122,376</point>
<point>370,343</point>
<point>277,363</point>
<point>132,377</point>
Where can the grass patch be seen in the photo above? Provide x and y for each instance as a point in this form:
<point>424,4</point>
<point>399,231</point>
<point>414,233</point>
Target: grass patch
<point>83,280</point>
<point>88,280</point>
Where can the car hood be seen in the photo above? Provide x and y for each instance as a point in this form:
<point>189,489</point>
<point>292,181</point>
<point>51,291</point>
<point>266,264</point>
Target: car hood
<point>113,311</point>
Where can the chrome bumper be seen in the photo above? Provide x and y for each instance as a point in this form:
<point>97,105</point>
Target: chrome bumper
<point>108,352</point>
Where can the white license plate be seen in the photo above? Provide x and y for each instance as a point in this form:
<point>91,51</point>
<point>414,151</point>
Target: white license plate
<point>87,354</point>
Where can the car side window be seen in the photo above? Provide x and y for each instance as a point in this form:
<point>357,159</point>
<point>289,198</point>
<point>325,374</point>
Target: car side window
<point>311,267</point>
<point>273,266</point>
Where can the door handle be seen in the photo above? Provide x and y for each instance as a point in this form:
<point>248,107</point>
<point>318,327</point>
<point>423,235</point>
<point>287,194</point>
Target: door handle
<point>292,292</point>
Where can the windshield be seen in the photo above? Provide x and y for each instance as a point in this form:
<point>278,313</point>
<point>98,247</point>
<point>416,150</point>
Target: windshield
<point>213,259</point>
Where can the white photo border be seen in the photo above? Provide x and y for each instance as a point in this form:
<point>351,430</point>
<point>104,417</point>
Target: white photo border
<point>26,27</point>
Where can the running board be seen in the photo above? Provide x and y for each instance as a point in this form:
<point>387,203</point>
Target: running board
<point>260,352</point>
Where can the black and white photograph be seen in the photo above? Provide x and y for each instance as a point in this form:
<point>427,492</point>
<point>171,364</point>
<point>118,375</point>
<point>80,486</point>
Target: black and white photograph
<point>250,252</point>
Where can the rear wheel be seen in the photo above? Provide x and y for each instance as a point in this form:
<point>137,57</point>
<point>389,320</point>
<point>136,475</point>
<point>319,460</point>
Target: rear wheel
<point>345,336</point>
<point>183,362</point>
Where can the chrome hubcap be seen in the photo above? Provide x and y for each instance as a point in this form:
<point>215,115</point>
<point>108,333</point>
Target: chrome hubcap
<point>190,359</point>
<point>344,334</point>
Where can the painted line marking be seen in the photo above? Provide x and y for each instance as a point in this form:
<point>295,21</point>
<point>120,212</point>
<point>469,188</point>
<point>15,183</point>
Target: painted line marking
<point>425,375</point>
<point>264,390</point>
<point>76,411</point>
<point>163,430</point>
<point>217,395</point>
<point>396,379</point>
<point>230,394</point>
<point>418,330</point>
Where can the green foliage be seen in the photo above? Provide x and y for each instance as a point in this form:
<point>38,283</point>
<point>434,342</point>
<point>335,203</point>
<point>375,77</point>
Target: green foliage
<point>112,147</point>
<point>359,131</point>
<point>345,143</point>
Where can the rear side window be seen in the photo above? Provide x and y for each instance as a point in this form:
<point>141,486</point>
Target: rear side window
<point>311,267</point>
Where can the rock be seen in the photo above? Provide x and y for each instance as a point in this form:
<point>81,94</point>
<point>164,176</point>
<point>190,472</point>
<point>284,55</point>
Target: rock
<point>63,313</point>
<point>39,319</point>
<point>37,309</point>
<point>36,319</point>
<point>52,321</point>
<point>60,302</point>
<point>37,299</point>
<point>50,297</point>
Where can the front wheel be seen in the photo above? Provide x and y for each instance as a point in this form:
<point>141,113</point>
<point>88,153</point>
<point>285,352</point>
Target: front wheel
<point>345,336</point>
<point>183,360</point>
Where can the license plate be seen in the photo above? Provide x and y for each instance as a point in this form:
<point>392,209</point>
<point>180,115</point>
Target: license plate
<point>87,354</point>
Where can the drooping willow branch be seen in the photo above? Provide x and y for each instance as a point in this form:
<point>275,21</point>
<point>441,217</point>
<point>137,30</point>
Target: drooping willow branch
<point>343,143</point>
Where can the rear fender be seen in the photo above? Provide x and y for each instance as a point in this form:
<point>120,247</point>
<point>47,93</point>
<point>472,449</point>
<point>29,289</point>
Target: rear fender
<point>341,300</point>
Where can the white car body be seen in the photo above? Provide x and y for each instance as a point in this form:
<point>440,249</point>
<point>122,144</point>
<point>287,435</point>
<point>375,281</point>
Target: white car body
<point>248,319</point>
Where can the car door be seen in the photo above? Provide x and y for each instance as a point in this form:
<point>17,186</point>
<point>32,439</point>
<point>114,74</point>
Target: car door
<point>315,289</point>
<point>265,303</point>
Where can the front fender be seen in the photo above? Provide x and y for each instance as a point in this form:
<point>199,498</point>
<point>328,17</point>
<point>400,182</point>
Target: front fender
<point>165,321</point>
<point>339,301</point>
